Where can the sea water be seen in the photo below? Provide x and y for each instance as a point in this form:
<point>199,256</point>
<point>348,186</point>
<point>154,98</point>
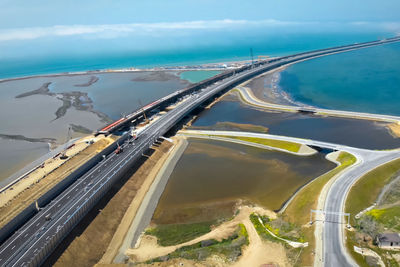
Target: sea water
<point>365,80</point>
<point>222,47</point>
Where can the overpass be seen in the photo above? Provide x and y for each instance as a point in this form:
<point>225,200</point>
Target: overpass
<point>35,240</point>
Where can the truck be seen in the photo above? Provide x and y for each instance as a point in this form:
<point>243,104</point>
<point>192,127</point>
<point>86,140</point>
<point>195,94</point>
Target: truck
<point>119,150</point>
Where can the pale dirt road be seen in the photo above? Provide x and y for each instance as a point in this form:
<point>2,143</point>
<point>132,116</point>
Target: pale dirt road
<point>255,254</point>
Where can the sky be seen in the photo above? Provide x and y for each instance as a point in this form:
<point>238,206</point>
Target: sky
<point>42,13</point>
<point>43,28</point>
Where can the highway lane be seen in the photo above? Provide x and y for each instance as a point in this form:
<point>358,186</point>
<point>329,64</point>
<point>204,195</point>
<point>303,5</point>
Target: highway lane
<point>76,197</point>
<point>334,252</point>
<point>38,237</point>
<point>333,231</point>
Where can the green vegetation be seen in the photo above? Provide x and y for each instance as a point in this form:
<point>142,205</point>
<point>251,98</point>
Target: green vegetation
<point>292,253</point>
<point>173,234</point>
<point>279,227</point>
<point>261,229</point>
<point>365,192</point>
<point>351,242</point>
<point>388,217</point>
<point>230,248</point>
<point>229,126</point>
<point>298,211</point>
<point>290,146</point>
<point>362,195</point>
<point>360,240</point>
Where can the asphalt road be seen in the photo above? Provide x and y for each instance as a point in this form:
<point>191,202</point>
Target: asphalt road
<point>334,253</point>
<point>333,228</point>
<point>331,112</point>
<point>34,241</point>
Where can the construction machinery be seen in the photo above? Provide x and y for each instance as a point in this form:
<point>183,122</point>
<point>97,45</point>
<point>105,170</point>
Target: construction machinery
<point>64,153</point>
<point>146,120</point>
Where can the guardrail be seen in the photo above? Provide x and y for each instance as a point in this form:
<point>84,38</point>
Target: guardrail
<point>109,181</point>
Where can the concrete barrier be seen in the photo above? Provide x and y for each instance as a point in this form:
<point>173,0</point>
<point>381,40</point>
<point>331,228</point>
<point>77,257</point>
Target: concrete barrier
<point>30,211</point>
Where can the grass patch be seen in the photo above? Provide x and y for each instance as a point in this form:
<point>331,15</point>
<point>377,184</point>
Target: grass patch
<point>291,252</point>
<point>261,231</point>
<point>362,195</point>
<point>230,248</point>
<point>173,234</point>
<point>233,126</point>
<point>298,211</point>
<point>389,217</point>
<point>367,189</point>
<point>290,146</point>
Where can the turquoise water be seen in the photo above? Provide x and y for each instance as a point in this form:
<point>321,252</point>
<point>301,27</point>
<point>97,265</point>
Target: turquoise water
<point>220,47</point>
<point>366,80</point>
<point>196,76</point>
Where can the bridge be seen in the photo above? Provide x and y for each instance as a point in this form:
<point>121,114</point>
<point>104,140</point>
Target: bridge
<point>31,243</point>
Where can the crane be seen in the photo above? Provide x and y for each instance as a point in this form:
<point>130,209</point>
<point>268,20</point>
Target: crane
<point>64,153</point>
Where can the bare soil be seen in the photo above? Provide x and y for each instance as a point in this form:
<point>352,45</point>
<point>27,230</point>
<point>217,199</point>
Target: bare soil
<point>87,243</point>
<point>258,251</point>
<point>38,183</point>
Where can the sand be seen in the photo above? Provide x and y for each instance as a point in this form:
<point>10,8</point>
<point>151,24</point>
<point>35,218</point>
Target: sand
<point>394,129</point>
<point>133,208</point>
<point>256,253</point>
<point>37,183</point>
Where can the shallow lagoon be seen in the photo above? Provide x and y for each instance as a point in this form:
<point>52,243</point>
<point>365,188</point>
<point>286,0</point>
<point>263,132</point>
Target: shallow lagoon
<point>352,132</point>
<point>212,176</point>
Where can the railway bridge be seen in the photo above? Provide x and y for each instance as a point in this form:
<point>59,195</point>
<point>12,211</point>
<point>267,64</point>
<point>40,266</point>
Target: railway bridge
<point>31,238</point>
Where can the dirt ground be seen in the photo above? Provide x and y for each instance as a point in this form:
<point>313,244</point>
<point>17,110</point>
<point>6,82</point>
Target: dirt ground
<point>258,251</point>
<point>39,182</point>
<point>131,212</point>
<point>87,243</point>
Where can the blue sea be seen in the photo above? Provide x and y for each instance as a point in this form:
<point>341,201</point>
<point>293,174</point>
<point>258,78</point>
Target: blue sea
<point>366,80</point>
<point>34,58</point>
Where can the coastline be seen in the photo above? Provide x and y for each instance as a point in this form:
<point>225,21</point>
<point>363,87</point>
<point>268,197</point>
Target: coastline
<point>219,66</point>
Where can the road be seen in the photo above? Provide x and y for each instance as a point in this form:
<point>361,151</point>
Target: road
<point>333,253</point>
<point>35,240</point>
<point>251,99</point>
<point>333,231</point>
<point>38,236</point>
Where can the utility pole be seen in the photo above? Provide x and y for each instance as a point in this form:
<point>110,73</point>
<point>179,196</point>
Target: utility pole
<point>252,57</point>
<point>64,153</point>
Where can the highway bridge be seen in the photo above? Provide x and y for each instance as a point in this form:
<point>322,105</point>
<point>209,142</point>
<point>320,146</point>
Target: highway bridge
<point>35,240</point>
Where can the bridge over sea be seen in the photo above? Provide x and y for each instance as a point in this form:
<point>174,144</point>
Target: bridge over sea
<point>33,235</point>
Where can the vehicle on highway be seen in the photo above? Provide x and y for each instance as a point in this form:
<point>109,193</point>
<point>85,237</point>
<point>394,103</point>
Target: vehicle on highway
<point>119,150</point>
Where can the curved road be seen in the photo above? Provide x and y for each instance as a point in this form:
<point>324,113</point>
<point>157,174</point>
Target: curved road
<point>333,253</point>
<point>34,241</point>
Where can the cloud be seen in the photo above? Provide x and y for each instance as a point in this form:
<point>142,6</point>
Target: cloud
<point>116,30</point>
